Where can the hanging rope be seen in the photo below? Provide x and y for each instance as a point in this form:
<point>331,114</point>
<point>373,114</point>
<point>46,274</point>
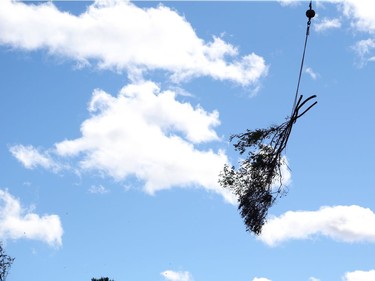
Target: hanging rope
<point>258,180</point>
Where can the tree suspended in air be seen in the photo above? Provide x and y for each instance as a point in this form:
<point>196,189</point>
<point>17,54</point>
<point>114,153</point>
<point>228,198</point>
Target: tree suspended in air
<point>257,182</point>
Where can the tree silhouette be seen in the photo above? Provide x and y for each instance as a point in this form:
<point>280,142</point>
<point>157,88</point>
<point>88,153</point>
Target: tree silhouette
<point>102,279</point>
<point>5,263</point>
<point>258,180</point>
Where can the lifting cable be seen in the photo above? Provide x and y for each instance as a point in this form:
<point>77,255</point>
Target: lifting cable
<point>309,14</point>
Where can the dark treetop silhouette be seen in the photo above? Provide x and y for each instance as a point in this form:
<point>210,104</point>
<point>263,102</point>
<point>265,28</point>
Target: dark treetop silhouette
<point>258,180</point>
<point>5,263</point>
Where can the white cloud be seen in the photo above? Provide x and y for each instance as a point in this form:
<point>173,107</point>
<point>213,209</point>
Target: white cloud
<point>362,14</point>
<point>147,133</point>
<point>341,223</point>
<point>313,279</point>
<point>365,50</point>
<point>326,24</point>
<point>289,2</point>
<point>17,223</point>
<point>31,158</point>
<point>362,17</point>
<point>314,75</point>
<point>119,35</point>
<point>177,275</point>
<point>364,47</point>
<point>261,279</point>
<point>360,276</point>
<point>98,189</point>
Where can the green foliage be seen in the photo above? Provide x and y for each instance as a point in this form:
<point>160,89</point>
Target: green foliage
<point>5,263</point>
<point>257,182</point>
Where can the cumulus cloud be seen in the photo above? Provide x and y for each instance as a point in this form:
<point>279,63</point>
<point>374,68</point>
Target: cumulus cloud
<point>362,17</point>
<point>147,133</point>
<point>341,223</point>
<point>17,223</point>
<point>177,275</point>
<point>326,24</point>
<point>360,275</point>
<point>362,14</point>
<point>359,12</point>
<point>119,35</point>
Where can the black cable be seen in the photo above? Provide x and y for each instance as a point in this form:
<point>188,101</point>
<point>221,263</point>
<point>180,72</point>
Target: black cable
<point>310,14</point>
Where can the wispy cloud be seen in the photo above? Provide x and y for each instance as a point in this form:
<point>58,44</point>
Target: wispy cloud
<point>98,189</point>
<point>19,223</point>
<point>289,2</point>
<point>362,17</point>
<point>326,24</point>
<point>314,75</point>
<point>121,36</point>
<point>171,275</point>
<point>365,49</point>
<point>359,275</point>
<point>32,158</point>
<point>147,133</point>
<point>341,223</point>
<point>261,279</point>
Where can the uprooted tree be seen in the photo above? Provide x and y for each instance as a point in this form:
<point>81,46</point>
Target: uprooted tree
<point>5,263</point>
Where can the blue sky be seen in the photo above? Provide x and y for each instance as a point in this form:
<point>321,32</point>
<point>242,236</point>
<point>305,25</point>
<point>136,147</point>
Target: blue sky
<point>115,118</point>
